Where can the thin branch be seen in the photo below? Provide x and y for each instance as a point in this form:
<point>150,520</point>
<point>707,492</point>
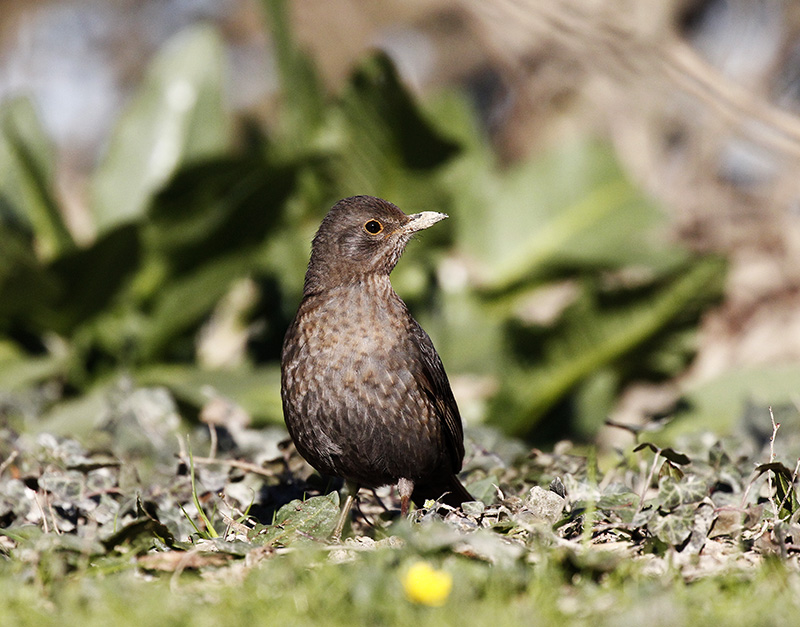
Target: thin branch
<point>212,432</point>
<point>775,427</point>
<point>8,462</point>
<point>235,463</point>
<point>647,483</point>
<point>36,500</point>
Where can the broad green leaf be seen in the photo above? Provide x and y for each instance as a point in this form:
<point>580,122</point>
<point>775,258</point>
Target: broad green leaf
<point>302,92</point>
<point>717,404</point>
<point>27,173</point>
<point>383,143</point>
<point>623,504</point>
<point>26,289</point>
<point>485,489</point>
<point>303,520</point>
<point>78,417</point>
<point>72,289</point>
<point>675,526</point>
<point>19,370</point>
<point>257,390</point>
<point>594,400</point>
<point>380,111</point>
<point>181,305</point>
<point>571,208</point>
<point>89,278</point>
<point>673,492</point>
<point>177,117</point>
<point>592,337</point>
<point>458,314</point>
<point>218,207</point>
<point>140,535</point>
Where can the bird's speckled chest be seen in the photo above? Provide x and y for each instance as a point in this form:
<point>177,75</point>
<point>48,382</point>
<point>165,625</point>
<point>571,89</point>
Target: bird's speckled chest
<point>348,372</point>
<point>352,326</point>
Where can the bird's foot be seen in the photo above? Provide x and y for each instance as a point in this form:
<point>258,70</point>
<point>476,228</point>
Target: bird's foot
<point>351,490</point>
<point>405,487</point>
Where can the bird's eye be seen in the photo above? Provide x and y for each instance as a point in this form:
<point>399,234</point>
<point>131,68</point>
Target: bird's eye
<point>373,227</point>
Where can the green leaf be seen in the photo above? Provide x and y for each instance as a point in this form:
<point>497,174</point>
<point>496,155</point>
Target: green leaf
<point>667,453</point>
<point>460,314</point>
<point>71,290</point>
<point>27,172</point>
<point>303,107</point>
<point>77,417</point>
<point>485,489</point>
<point>18,370</point>
<point>177,117</point>
<point>257,390</point>
<point>313,518</point>
<point>218,207</point>
<point>140,535</point>
<point>210,531</point>
<point>716,405</point>
<point>593,336</point>
<point>594,400</point>
<point>26,289</point>
<point>381,111</point>
<point>623,504</point>
<point>180,306</point>
<point>89,278</point>
<point>383,143</point>
<point>675,526</point>
<point>668,469</point>
<point>573,207</point>
<point>673,492</point>
<point>785,494</point>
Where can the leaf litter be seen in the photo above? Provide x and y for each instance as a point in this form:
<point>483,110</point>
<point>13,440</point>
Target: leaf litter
<point>124,498</point>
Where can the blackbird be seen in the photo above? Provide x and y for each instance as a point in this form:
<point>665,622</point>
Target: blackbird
<point>365,395</point>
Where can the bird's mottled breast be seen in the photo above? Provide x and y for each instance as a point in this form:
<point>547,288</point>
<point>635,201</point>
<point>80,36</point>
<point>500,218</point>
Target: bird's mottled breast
<point>346,371</point>
<point>347,331</point>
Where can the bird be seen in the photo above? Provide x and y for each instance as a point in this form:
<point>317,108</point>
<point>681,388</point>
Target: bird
<point>365,394</point>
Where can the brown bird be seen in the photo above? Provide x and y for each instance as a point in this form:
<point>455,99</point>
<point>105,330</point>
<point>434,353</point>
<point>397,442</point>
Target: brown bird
<point>365,394</point>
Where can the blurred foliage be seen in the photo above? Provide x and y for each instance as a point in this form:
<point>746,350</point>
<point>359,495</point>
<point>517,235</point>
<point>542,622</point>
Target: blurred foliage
<point>187,204</point>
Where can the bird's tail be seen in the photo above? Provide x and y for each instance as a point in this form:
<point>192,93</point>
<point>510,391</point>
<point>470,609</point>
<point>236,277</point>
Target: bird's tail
<point>450,492</point>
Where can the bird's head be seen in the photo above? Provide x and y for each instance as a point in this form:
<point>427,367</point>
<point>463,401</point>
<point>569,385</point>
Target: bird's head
<point>361,235</point>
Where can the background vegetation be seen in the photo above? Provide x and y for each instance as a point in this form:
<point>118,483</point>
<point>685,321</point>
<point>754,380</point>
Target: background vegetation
<point>203,224</point>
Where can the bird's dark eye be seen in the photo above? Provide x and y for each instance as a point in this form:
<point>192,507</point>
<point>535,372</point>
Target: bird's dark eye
<point>373,227</point>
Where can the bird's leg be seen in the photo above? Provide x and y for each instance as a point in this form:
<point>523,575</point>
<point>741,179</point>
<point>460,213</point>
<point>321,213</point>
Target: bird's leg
<point>351,489</point>
<point>405,487</point>
<point>379,499</point>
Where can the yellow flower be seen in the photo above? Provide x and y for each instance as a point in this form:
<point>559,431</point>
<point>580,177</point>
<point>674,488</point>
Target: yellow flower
<point>425,585</point>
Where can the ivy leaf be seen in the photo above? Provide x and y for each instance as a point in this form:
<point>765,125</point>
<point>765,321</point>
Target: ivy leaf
<point>675,526</point>
<point>310,519</point>
<point>673,493</point>
<point>668,453</point>
<point>785,494</point>
<point>623,504</point>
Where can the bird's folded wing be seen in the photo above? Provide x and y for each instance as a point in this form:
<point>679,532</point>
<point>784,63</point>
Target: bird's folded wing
<point>433,381</point>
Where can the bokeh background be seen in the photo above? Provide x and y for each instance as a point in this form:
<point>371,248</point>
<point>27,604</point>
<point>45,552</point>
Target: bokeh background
<point>622,180</point>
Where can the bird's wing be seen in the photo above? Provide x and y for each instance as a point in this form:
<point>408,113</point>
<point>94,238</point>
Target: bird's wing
<point>433,381</point>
